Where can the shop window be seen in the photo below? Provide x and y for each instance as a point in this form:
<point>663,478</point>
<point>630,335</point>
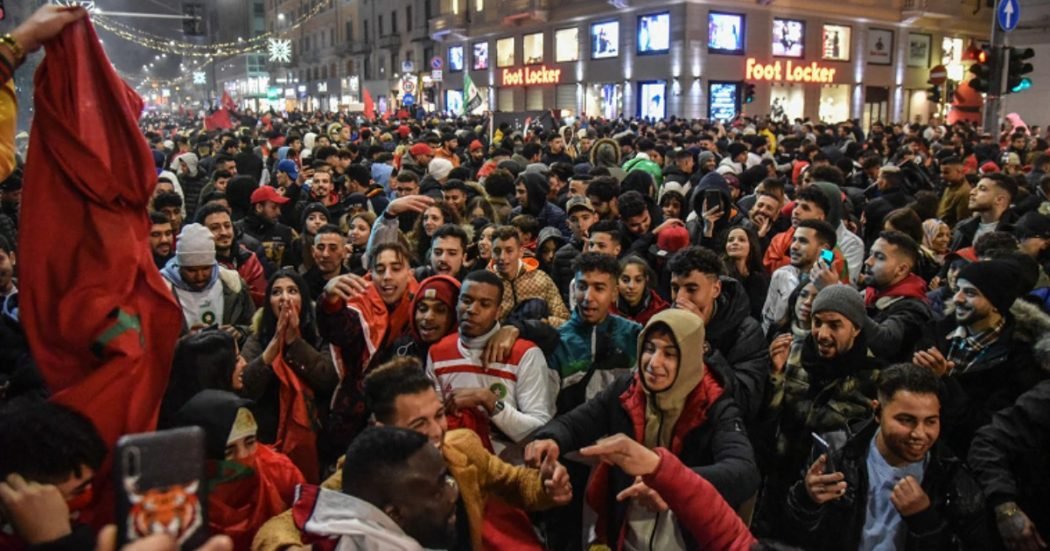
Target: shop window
<point>835,42</point>
<point>605,39</point>
<point>725,33</point>
<point>505,99</point>
<point>789,38</point>
<point>567,45</point>
<point>532,48</point>
<point>534,99</point>
<point>565,98</point>
<point>834,102</point>
<point>654,33</point>
<point>481,56</point>
<point>455,59</point>
<point>505,52</point>
<point>723,100</point>
<point>652,99</point>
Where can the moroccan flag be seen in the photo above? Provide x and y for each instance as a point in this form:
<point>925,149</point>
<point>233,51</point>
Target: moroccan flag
<point>296,436</point>
<point>218,119</point>
<point>227,101</point>
<point>100,321</point>
<point>370,106</point>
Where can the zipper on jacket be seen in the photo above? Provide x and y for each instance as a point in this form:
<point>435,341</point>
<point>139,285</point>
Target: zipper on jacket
<point>656,523</point>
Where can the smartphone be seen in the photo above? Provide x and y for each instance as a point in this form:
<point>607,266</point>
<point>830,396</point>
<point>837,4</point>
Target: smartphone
<point>712,198</point>
<point>827,256</point>
<point>823,447</point>
<point>161,486</point>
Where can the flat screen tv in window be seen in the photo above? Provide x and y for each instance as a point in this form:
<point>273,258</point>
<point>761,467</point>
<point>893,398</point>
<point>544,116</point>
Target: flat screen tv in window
<point>653,99</point>
<point>789,37</point>
<point>605,39</point>
<point>654,33</point>
<point>455,58</point>
<point>723,101</point>
<point>725,33</point>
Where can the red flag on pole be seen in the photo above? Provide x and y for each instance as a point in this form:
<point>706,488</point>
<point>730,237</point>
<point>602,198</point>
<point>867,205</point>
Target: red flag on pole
<point>100,321</point>
<point>370,106</point>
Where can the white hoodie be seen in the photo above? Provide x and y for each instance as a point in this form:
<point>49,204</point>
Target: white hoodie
<point>356,523</point>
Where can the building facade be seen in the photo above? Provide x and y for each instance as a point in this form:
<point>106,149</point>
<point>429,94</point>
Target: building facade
<point>865,59</point>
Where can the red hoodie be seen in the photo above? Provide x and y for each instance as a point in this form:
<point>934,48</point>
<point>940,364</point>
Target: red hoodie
<point>912,286</point>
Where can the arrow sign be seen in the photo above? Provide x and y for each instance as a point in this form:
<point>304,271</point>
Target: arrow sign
<point>1008,14</point>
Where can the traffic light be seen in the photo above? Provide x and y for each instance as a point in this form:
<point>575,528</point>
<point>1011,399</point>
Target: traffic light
<point>749,92</point>
<point>193,18</point>
<point>1016,81</point>
<point>933,93</point>
<point>982,70</point>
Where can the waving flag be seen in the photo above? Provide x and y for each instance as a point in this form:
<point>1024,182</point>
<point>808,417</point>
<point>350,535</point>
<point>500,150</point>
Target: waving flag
<point>474,102</point>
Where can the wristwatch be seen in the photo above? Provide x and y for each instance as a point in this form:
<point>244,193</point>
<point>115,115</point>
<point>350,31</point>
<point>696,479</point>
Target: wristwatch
<point>17,52</point>
<point>498,407</point>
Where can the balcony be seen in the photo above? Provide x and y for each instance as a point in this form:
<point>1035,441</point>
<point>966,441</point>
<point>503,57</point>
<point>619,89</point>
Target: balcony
<point>449,25</point>
<point>519,12</point>
<point>391,41</point>
<point>937,9</point>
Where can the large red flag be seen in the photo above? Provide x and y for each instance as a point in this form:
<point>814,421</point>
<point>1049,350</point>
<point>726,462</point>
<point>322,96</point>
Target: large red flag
<point>370,106</point>
<point>219,119</point>
<point>227,101</point>
<point>100,321</point>
<point>296,432</point>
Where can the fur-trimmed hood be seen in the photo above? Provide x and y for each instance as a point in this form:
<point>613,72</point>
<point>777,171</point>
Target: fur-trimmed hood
<point>1032,325</point>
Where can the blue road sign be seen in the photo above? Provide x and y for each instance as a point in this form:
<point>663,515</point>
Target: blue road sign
<point>1008,14</point>
<point>408,99</point>
<point>436,63</point>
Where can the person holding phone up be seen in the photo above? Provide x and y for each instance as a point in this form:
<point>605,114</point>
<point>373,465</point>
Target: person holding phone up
<point>896,486</point>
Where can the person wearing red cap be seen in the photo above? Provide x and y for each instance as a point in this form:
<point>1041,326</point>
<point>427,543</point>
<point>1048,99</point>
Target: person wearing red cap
<point>476,156</point>
<point>262,223</point>
<point>417,159</point>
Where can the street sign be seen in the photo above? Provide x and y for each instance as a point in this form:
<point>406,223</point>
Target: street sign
<point>435,75</point>
<point>938,75</point>
<point>1008,14</point>
<point>407,66</point>
<point>408,99</point>
<point>408,86</point>
<point>436,63</point>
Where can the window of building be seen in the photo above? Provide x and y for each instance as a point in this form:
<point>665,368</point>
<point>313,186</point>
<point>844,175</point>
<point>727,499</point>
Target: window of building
<point>408,18</point>
<point>532,48</point>
<point>349,30</point>
<point>567,45</point>
<point>605,39</point>
<point>789,38</point>
<point>455,58</point>
<point>505,52</point>
<point>366,31</point>
<point>393,22</point>
<point>455,6</point>
<point>379,26</point>
<point>479,5</point>
<point>481,56</point>
<point>835,42</point>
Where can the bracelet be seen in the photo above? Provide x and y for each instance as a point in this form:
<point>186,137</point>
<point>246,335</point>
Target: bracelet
<point>16,48</point>
<point>1006,512</point>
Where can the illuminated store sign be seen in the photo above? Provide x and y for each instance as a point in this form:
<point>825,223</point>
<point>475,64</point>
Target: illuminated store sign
<point>529,76</point>
<point>789,71</point>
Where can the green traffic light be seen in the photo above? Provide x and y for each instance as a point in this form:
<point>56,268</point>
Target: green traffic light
<point>1025,84</point>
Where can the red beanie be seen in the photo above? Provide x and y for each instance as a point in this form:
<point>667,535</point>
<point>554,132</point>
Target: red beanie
<point>672,239</point>
<point>441,287</point>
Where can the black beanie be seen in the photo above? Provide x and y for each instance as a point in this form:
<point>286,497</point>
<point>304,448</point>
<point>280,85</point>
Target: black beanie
<point>996,280</point>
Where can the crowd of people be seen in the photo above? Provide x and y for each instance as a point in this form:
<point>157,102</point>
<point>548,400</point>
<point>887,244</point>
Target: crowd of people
<point>409,333</point>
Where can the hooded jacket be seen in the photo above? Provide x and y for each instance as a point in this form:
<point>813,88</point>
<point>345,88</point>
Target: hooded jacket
<point>738,344</point>
<point>606,153</point>
<point>848,243</point>
<point>731,218</point>
<point>694,419</point>
<point>548,214</point>
<point>237,306</point>
<point>275,237</point>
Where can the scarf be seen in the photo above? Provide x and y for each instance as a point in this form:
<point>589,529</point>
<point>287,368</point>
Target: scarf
<point>912,286</point>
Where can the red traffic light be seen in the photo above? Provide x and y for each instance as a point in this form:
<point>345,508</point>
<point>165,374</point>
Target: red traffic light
<point>983,56</point>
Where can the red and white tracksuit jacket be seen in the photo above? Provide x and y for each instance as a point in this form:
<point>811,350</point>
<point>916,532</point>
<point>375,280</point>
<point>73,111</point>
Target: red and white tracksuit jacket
<point>524,383</point>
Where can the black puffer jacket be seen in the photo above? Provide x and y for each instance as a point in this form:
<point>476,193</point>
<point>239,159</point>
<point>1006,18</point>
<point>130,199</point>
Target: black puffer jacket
<point>954,520</point>
<point>274,237</point>
<point>731,218</point>
<point>737,341</point>
<point>562,273</point>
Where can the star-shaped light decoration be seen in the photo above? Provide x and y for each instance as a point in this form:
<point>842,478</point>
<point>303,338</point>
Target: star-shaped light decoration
<point>199,77</point>
<point>279,50</point>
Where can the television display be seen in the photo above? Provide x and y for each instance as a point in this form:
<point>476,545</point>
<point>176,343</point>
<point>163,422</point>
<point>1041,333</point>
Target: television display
<point>455,58</point>
<point>605,39</point>
<point>724,100</point>
<point>725,33</point>
<point>789,38</point>
<point>654,33</point>
<point>454,101</point>
<point>481,56</point>
<point>653,99</point>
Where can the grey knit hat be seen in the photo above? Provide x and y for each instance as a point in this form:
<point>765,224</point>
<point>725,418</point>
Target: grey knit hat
<point>842,299</point>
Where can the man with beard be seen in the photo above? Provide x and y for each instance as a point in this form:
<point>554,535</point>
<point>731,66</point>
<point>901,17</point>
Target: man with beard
<point>954,204</point>
<point>990,202</point>
<point>735,345</point>
<point>911,491</point>
<point>529,292</point>
<point>984,353</point>
<point>232,254</point>
<point>556,151</point>
<point>262,223</point>
<point>328,251</point>
<point>209,294</point>
<point>811,237</point>
<point>161,238</point>
<point>895,297</point>
<point>448,248</point>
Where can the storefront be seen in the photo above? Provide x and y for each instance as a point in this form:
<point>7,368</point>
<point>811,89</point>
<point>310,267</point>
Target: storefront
<point>658,62</point>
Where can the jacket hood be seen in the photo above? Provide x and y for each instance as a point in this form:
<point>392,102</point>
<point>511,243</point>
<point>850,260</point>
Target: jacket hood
<point>711,180</point>
<point>323,514</point>
<point>1032,325</point>
<point>442,287</point>
<point>605,152</point>
<point>912,286</point>
<point>688,331</point>
<point>731,308</point>
<point>215,411</point>
<point>547,234</point>
<point>191,161</point>
<point>537,187</point>
<point>834,195</point>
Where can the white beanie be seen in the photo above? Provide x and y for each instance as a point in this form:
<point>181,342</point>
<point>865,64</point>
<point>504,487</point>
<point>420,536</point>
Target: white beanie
<point>439,168</point>
<point>195,246</point>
